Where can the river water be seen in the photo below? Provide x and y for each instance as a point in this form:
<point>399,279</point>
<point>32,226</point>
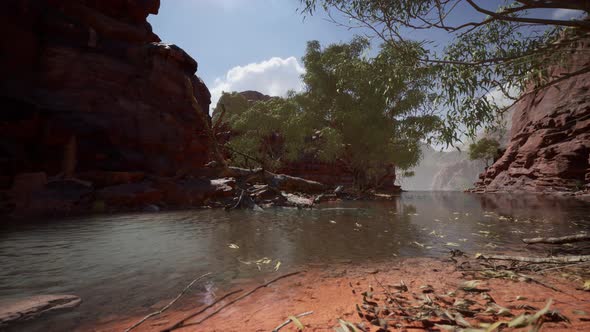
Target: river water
<point>127,263</point>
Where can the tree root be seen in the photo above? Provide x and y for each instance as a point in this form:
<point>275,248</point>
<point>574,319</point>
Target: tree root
<point>239,298</point>
<point>180,323</point>
<point>169,304</point>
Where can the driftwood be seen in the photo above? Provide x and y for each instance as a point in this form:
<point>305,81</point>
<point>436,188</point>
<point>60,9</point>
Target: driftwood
<point>290,320</point>
<point>555,260</point>
<point>559,240</point>
<point>240,298</point>
<point>35,306</point>
<point>280,182</point>
<point>180,323</point>
<point>169,304</point>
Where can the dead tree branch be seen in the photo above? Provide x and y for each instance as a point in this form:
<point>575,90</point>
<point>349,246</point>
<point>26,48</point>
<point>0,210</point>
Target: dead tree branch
<point>169,304</point>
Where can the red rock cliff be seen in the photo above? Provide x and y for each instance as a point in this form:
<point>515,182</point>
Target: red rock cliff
<point>88,80</point>
<point>549,149</point>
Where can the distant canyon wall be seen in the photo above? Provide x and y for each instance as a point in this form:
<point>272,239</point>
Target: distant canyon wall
<point>443,171</point>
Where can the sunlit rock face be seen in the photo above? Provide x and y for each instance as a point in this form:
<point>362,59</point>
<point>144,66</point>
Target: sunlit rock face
<point>88,80</point>
<point>549,148</point>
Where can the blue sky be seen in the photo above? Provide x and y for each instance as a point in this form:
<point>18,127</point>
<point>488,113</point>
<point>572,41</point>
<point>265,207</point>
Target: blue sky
<point>252,44</point>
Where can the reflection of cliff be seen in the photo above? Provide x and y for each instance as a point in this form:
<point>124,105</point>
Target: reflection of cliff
<point>544,207</point>
<point>440,170</point>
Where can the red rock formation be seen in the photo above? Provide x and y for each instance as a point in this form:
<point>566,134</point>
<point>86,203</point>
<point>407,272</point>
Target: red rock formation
<point>95,71</point>
<point>549,149</point>
<point>87,90</point>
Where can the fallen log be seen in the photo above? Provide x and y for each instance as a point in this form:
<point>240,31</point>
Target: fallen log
<point>279,182</point>
<point>553,259</point>
<point>559,240</point>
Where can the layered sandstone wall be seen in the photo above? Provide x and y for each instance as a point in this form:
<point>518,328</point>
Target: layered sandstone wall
<point>549,149</point>
<point>94,107</point>
<point>92,75</point>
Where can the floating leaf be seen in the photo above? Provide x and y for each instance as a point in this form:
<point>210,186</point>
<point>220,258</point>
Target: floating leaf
<point>587,285</point>
<point>234,246</point>
<point>332,222</point>
<point>278,265</point>
<point>452,244</point>
<point>297,322</point>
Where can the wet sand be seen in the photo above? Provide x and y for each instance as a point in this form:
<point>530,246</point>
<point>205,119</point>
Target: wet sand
<point>328,292</point>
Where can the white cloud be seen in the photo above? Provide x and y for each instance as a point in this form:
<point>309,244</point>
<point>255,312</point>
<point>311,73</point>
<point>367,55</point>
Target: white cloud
<point>273,77</point>
<point>562,14</point>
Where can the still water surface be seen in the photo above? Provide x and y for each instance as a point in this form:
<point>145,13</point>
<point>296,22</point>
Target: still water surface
<point>127,263</point>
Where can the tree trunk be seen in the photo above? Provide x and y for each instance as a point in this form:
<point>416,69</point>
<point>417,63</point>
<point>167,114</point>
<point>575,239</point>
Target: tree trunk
<point>555,260</point>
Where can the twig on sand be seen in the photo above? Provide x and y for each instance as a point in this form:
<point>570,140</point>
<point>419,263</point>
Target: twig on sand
<point>559,240</point>
<point>290,320</point>
<point>553,259</point>
<point>242,297</point>
<point>169,304</point>
<point>181,322</point>
<point>564,266</point>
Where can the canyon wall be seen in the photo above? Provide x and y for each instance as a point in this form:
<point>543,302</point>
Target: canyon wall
<point>89,92</point>
<point>549,147</point>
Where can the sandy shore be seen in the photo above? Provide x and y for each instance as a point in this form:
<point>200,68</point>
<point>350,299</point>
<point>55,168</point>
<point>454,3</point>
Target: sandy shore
<point>332,292</point>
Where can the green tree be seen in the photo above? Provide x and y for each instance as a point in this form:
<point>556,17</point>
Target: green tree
<point>366,112</point>
<point>485,149</point>
<point>505,52</point>
<point>378,106</point>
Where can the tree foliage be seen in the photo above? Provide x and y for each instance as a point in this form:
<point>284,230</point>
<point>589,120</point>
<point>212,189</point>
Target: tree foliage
<point>366,112</point>
<point>506,52</point>
<point>485,149</point>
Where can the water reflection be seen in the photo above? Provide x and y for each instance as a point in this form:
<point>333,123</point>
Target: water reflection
<point>129,262</point>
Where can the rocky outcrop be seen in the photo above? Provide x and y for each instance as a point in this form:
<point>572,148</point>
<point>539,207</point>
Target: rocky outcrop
<point>549,149</point>
<point>254,96</point>
<point>88,91</point>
